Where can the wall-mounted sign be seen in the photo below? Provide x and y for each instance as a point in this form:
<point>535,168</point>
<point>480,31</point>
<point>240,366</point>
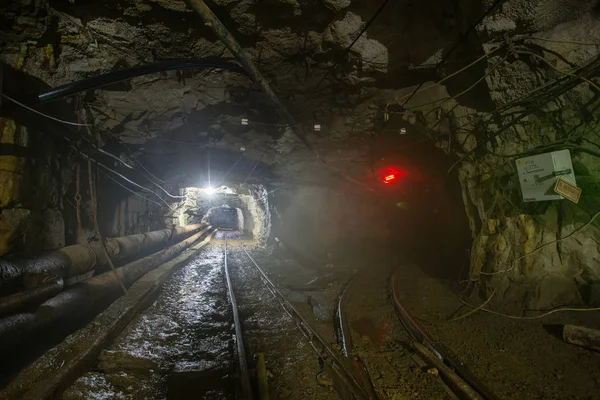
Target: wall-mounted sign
<point>538,175</point>
<point>564,188</point>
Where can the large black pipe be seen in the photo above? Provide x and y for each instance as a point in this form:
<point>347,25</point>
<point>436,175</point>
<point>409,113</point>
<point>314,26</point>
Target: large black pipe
<point>85,298</point>
<point>124,74</point>
<point>79,259</point>
<point>27,298</point>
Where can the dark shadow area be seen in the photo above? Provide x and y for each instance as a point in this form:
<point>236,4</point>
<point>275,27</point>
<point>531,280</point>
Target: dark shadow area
<point>30,346</point>
<point>430,225</point>
<point>555,330</point>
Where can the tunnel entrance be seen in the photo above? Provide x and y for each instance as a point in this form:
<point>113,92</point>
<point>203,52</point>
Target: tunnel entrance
<point>239,212</point>
<point>227,218</point>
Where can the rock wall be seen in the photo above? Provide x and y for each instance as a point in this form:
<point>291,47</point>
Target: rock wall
<point>533,255</point>
<point>33,181</point>
<point>526,98</point>
<point>38,196</point>
<point>521,244</point>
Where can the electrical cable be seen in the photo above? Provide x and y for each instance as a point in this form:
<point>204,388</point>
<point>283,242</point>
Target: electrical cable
<point>561,309</point>
<point>553,146</point>
<point>124,178</point>
<point>126,188</point>
<point>547,96</point>
<point>534,98</point>
<point>128,166</point>
<point>129,73</point>
<point>561,41</point>
<point>86,125</point>
<point>253,168</point>
<point>347,49</point>
<point>490,71</point>
<point>539,91</point>
<point>419,90</point>
<point>93,187</point>
<point>139,163</point>
<point>564,72</point>
<point>576,230</point>
<point>460,40</point>
<point>100,150</point>
<point>41,113</point>
<point>475,309</point>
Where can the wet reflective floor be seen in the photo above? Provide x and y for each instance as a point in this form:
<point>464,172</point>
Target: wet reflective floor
<point>182,344</point>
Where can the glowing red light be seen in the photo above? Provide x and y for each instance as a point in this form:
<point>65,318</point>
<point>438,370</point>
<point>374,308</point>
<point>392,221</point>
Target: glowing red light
<point>389,178</point>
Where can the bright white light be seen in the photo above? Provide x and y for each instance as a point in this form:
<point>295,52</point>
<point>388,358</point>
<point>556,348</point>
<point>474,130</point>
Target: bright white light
<point>210,190</point>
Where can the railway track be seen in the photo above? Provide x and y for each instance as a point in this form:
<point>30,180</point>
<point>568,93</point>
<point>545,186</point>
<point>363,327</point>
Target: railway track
<point>202,336</point>
<point>452,371</point>
<point>220,315</point>
<point>437,375</point>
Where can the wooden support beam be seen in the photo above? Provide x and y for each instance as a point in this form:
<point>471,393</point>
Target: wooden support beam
<point>211,20</point>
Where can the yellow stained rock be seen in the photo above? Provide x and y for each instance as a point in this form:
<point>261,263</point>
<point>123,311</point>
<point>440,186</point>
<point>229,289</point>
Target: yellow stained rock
<point>528,231</point>
<point>10,178</point>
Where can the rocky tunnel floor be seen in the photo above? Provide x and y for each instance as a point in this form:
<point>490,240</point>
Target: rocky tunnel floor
<point>186,333</point>
<point>515,358</point>
<point>183,345</point>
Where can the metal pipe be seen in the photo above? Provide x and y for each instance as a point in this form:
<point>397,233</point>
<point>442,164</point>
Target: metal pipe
<point>87,297</point>
<point>19,301</point>
<point>325,351</point>
<point>211,20</point>
<point>239,337</point>
<point>79,259</point>
<point>124,74</point>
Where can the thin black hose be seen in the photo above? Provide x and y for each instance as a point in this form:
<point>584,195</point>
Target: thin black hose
<point>124,74</point>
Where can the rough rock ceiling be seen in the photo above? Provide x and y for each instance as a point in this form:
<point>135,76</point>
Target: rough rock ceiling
<point>300,48</point>
<point>293,43</point>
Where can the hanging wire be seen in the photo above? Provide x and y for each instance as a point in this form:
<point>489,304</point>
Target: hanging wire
<point>99,150</point>
<point>253,168</point>
<point>462,37</point>
<point>129,190</point>
<point>140,164</point>
<point>231,169</point>
<point>124,178</point>
<point>347,49</point>
<point>41,113</point>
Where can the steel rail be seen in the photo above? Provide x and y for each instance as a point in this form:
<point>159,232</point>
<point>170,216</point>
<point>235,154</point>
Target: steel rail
<point>344,338</point>
<point>239,337</point>
<point>341,330</point>
<point>327,354</point>
<point>420,335</point>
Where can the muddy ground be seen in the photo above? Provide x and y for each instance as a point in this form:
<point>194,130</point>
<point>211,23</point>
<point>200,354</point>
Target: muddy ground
<point>183,345</point>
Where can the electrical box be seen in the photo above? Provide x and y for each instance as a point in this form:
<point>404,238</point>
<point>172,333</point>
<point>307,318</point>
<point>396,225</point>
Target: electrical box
<point>538,175</point>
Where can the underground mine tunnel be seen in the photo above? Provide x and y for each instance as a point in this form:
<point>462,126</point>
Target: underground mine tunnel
<point>284,199</point>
